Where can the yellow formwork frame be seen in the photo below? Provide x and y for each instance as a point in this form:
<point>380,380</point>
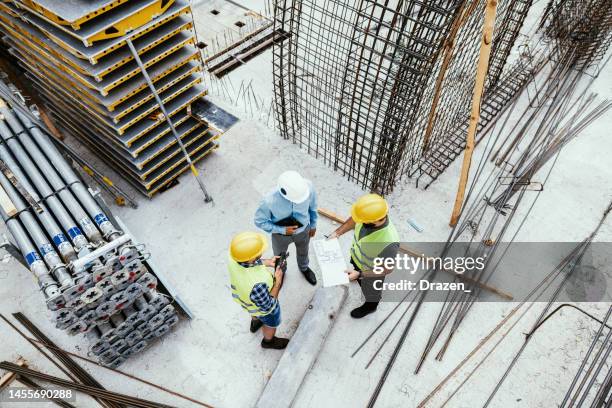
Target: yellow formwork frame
<point>153,125</point>
<point>182,170</point>
<point>76,24</point>
<point>193,70</point>
<point>168,98</point>
<point>112,106</point>
<point>94,59</point>
<point>84,94</point>
<point>169,145</point>
<point>38,40</point>
<point>104,91</point>
<point>177,151</point>
<point>132,22</point>
<point>142,50</point>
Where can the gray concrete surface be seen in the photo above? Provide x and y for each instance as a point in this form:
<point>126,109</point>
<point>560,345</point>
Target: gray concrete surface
<point>303,349</point>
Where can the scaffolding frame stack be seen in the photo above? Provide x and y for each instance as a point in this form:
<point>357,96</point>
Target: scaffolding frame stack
<point>77,58</point>
<point>380,89</point>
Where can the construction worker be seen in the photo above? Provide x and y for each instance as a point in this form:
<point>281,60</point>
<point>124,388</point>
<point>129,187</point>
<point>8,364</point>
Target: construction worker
<point>289,213</point>
<point>256,288</point>
<point>374,237</point>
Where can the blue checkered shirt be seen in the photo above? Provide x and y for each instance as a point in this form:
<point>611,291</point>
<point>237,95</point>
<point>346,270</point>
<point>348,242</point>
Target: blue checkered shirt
<point>260,295</point>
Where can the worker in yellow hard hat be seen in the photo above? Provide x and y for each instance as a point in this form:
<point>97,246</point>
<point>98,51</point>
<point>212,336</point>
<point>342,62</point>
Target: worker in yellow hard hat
<point>374,237</point>
<point>255,287</point>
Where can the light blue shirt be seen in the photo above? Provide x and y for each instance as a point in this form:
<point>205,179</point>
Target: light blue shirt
<point>274,207</point>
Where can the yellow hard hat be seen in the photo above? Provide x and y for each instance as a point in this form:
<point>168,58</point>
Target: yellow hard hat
<point>369,208</point>
<point>247,246</point>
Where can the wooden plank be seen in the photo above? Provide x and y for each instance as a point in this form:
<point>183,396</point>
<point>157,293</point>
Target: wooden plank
<point>406,250</point>
<point>8,378</point>
<point>481,75</point>
<point>7,205</point>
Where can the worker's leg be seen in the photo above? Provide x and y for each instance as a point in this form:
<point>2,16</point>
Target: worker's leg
<point>280,243</point>
<point>370,293</point>
<point>271,321</point>
<point>302,241</point>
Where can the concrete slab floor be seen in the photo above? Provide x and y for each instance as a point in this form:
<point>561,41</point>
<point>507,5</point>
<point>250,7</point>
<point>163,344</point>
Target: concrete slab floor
<point>214,357</point>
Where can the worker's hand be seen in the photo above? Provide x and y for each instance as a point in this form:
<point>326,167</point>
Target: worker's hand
<point>353,274</point>
<point>312,232</point>
<point>278,275</point>
<point>291,230</point>
<point>270,262</point>
<point>333,235</point>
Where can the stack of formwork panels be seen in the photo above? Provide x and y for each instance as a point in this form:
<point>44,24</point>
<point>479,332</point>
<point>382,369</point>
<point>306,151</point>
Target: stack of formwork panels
<point>77,57</point>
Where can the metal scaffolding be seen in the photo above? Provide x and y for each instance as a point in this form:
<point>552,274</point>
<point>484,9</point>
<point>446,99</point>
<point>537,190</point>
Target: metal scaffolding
<point>381,89</point>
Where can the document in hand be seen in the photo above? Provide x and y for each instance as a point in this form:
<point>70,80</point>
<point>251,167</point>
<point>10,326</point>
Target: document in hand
<point>331,262</point>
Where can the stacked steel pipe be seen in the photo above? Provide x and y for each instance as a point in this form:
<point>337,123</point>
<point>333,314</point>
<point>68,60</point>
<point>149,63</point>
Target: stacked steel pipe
<point>91,273</point>
<point>77,56</point>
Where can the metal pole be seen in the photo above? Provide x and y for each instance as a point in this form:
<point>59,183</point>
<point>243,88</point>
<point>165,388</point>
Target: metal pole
<point>63,214</point>
<point>58,269</point>
<point>109,231</point>
<point>207,197</point>
<point>55,232</point>
<point>35,263</point>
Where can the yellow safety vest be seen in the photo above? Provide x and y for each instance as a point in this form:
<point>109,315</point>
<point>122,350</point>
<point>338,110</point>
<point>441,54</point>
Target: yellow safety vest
<point>243,280</point>
<point>366,249</point>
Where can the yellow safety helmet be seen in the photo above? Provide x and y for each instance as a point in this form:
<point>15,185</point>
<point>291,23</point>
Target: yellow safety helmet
<point>369,208</point>
<point>247,246</point>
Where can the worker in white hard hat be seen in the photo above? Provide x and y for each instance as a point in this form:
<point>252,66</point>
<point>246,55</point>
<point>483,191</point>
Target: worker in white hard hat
<point>289,213</point>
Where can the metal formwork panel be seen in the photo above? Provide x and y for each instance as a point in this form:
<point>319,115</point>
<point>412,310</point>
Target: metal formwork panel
<point>145,128</point>
<point>109,64</point>
<point>73,13</point>
<point>100,49</point>
<point>158,60</point>
<point>123,91</point>
<point>100,84</point>
<point>115,23</point>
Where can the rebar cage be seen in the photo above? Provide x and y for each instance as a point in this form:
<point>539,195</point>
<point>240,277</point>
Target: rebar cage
<point>380,89</point>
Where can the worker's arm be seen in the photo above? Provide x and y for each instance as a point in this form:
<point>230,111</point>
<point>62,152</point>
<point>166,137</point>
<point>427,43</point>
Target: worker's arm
<point>263,219</point>
<point>278,282</point>
<point>346,226</point>
<point>312,212</point>
<point>390,251</point>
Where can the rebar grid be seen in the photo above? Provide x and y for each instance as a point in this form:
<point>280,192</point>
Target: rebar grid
<point>355,84</point>
<point>583,26</point>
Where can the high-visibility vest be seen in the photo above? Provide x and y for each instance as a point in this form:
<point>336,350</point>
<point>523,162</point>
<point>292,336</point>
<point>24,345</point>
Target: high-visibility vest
<point>366,249</point>
<point>242,281</point>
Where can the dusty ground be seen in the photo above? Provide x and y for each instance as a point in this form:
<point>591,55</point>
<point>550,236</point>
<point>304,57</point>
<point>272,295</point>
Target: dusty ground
<point>215,358</point>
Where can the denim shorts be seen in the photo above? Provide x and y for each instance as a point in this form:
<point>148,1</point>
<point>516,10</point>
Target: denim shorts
<point>272,319</point>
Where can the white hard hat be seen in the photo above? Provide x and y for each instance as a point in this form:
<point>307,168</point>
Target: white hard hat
<point>293,187</point>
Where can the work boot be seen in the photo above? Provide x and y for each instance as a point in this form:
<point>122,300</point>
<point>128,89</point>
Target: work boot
<point>310,276</point>
<point>277,343</point>
<point>255,325</point>
<point>364,310</point>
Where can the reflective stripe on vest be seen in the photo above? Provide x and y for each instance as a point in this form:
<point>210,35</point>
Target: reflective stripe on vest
<point>368,248</point>
<point>242,281</point>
